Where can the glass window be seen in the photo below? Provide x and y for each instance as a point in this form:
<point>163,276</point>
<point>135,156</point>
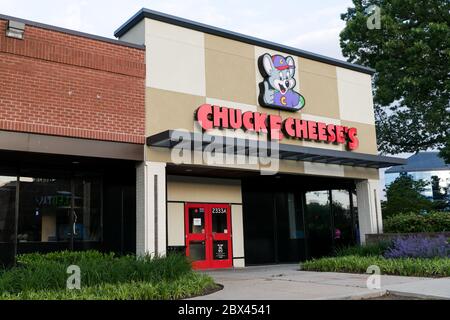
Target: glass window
<point>296,228</point>
<point>8,187</point>
<point>289,227</point>
<point>318,223</point>
<point>343,220</point>
<point>196,220</point>
<point>219,220</point>
<point>45,209</point>
<point>197,250</point>
<point>87,208</point>
<point>355,217</point>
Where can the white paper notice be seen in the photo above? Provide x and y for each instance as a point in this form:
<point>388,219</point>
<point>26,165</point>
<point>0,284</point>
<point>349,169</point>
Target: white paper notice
<point>197,222</point>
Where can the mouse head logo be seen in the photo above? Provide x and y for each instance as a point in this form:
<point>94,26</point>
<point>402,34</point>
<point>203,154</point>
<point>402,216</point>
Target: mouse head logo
<point>277,89</point>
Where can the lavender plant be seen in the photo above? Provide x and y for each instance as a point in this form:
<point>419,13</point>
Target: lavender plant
<point>419,247</point>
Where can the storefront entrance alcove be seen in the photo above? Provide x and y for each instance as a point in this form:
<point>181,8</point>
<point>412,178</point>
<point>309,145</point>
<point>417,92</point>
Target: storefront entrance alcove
<point>288,219</point>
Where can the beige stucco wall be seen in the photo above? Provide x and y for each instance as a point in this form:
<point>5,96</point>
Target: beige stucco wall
<point>237,222</point>
<point>175,223</point>
<point>195,189</point>
<point>186,68</point>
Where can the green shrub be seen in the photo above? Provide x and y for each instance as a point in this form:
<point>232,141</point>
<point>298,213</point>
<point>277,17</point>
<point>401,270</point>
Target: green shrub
<point>369,250</point>
<point>110,276</point>
<point>414,222</point>
<point>188,285</point>
<point>438,267</point>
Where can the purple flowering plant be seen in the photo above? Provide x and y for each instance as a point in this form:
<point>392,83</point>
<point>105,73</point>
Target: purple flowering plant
<point>419,247</point>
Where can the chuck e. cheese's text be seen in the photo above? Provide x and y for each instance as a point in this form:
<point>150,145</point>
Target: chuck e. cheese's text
<point>210,116</point>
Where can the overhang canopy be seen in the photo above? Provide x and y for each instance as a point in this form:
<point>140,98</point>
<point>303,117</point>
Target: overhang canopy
<point>198,142</point>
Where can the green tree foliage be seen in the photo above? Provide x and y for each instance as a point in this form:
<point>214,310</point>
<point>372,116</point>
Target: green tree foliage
<point>411,222</point>
<point>445,152</point>
<point>411,54</point>
<point>404,195</point>
<point>441,200</point>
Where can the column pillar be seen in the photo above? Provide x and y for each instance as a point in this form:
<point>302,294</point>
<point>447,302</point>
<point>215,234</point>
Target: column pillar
<point>369,208</point>
<point>151,209</point>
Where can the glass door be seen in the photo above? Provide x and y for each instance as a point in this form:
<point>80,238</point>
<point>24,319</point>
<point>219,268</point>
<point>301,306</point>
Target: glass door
<point>197,245</point>
<point>221,236</point>
<point>208,235</point>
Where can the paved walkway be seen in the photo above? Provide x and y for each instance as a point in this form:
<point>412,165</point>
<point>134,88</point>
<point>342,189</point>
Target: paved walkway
<point>427,289</point>
<point>286,282</point>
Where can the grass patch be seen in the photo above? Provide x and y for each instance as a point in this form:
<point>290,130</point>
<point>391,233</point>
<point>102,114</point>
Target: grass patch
<point>368,250</point>
<point>418,267</point>
<point>103,277</point>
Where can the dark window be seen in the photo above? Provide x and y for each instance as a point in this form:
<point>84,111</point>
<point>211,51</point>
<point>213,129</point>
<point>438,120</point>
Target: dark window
<point>343,233</point>
<point>45,209</point>
<point>290,234</point>
<point>259,230</point>
<point>318,223</point>
<point>87,210</point>
<point>196,220</point>
<point>197,250</point>
<point>8,187</point>
<point>219,220</point>
<point>355,217</point>
<point>293,218</point>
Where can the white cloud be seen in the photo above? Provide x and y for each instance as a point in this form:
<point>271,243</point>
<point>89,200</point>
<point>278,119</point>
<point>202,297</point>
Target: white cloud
<point>312,26</point>
<point>325,40</point>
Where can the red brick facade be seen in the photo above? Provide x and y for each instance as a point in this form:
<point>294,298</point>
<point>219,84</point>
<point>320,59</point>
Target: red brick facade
<point>61,84</point>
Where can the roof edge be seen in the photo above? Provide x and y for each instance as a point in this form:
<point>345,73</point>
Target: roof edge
<point>393,170</point>
<point>72,32</point>
<point>182,22</point>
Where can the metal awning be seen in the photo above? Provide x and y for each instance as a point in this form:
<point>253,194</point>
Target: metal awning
<point>198,142</point>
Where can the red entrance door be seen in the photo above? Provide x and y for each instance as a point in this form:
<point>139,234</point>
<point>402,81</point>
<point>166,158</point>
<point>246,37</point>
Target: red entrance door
<point>208,235</point>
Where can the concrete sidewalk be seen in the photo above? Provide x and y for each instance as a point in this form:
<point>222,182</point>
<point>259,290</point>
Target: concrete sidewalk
<point>426,289</point>
<point>286,282</point>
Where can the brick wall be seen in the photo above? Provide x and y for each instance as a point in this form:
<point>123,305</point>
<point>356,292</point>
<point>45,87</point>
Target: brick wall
<point>60,84</point>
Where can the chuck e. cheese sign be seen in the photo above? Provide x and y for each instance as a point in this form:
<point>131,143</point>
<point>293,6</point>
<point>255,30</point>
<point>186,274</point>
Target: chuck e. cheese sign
<point>211,116</point>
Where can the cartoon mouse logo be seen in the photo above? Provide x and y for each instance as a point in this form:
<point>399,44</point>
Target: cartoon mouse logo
<point>277,89</point>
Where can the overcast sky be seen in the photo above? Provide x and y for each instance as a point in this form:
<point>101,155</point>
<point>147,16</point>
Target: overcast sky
<point>305,24</point>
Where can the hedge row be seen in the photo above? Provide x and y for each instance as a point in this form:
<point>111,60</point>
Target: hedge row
<point>414,223</point>
<point>438,267</point>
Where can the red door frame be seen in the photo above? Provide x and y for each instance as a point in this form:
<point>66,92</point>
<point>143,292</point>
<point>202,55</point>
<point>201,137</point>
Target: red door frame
<point>208,236</point>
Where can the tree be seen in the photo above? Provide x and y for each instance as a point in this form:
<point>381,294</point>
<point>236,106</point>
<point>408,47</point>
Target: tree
<point>404,195</point>
<point>411,54</point>
<point>440,195</point>
<point>445,152</point>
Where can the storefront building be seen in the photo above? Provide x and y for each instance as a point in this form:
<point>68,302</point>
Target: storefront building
<point>72,130</point>
<point>183,137</point>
